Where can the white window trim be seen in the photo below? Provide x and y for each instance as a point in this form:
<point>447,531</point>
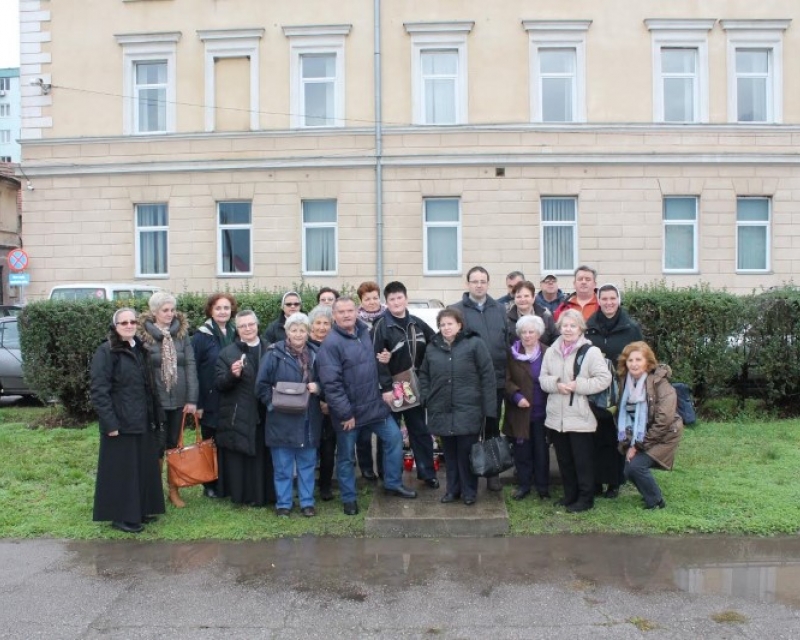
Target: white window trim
<point>320,225</point>
<point>767,224</point>
<point>756,34</point>
<point>688,34</point>
<point>426,225</point>
<point>230,43</point>
<point>138,231</point>
<point>429,36</point>
<point>249,227</point>
<point>695,235</point>
<point>550,34</point>
<point>573,224</point>
<point>144,47</point>
<point>320,39</point>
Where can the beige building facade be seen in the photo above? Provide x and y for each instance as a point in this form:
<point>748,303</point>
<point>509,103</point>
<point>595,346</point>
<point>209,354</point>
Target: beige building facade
<point>200,144</point>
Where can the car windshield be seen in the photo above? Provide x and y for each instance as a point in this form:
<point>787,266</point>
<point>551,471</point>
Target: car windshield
<point>83,293</point>
<point>10,335</point>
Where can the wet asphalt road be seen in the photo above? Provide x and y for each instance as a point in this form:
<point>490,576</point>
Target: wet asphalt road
<point>545,587</point>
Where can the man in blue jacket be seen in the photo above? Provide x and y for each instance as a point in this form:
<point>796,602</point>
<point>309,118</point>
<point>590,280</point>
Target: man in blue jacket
<point>348,372</point>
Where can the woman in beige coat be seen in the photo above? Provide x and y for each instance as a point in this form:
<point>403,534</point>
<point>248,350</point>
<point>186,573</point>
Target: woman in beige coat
<point>569,416</point>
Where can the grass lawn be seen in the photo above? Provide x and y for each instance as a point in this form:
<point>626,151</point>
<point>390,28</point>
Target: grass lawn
<point>729,478</point>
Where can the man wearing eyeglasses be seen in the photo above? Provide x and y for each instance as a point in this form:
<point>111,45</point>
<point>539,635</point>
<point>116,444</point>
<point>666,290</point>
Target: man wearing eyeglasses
<point>483,315</point>
<point>290,303</point>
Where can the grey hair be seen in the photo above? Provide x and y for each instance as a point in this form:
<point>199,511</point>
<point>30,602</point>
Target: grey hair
<point>296,318</point>
<point>159,299</point>
<point>246,312</point>
<point>320,311</point>
<point>585,267</point>
<point>575,315</point>
<point>534,322</point>
<point>122,310</point>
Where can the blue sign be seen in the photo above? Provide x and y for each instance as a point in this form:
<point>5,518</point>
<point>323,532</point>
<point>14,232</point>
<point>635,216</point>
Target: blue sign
<point>19,279</point>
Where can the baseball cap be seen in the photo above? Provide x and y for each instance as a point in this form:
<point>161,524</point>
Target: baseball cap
<point>548,276</point>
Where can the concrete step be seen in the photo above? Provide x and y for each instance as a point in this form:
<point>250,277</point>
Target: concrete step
<point>426,517</point>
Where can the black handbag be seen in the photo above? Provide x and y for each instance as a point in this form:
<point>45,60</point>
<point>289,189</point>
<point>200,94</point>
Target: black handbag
<point>490,457</point>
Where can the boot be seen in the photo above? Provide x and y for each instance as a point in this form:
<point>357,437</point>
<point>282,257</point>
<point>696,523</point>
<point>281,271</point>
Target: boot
<point>175,497</point>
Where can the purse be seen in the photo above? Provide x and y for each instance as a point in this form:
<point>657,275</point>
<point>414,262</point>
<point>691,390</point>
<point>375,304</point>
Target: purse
<point>195,463</point>
<point>290,397</point>
<point>405,385</point>
<point>490,457</point>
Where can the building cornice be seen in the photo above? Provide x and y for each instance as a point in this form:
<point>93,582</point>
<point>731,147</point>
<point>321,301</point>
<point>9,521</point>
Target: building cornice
<point>457,26</point>
<point>147,38</point>
<point>556,25</point>
<point>315,30</point>
<point>230,34</point>
<point>678,24</point>
<point>755,25</point>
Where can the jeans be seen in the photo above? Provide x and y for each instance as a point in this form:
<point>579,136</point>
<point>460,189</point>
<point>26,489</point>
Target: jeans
<point>364,451</point>
<point>638,471</point>
<point>532,459</point>
<point>389,434</point>
<point>575,455</point>
<point>460,479</point>
<point>420,440</point>
<point>283,461</point>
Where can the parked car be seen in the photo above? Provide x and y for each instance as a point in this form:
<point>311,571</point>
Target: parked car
<point>9,310</point>
<point>426,310</point>
<point>102,291</point>
<point>11,381</point>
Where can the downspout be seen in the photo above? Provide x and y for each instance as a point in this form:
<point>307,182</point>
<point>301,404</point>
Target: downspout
<point>378,148</point>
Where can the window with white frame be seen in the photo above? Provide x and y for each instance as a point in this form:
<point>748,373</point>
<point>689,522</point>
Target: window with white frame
<point>5,110</point>
<point>320,231</point>
<point>752,234</point>
<point>755,70</point>
<point>442,236</point>
<point>149,82</point>
<point>5,84</point>
<point>5,136</point>
<point>680,234</point>
<point>6,159</point>
<point>680,69</point>
<point>317,64</point>
<point>558,69</point>
<point>152,240</point>
<point>235,238</point>
<point>439,72</point>
<point>559,219</point>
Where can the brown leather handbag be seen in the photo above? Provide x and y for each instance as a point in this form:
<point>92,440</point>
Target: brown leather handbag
<point>193,464</point>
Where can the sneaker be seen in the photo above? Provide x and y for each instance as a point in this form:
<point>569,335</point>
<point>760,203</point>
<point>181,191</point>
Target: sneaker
<point>282,513</point>
<point>397,392</point>
<point>408,393</point>
<point>350,508</point>
<point>308,512</point>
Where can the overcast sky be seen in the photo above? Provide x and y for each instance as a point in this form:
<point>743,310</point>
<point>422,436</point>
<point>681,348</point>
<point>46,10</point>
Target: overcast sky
<point>9,33</point>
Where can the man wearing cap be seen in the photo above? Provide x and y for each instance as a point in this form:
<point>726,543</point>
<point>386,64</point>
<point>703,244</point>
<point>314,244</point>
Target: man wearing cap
<point>512,280</point>
<point>550,296</point>
<point>584,299</point>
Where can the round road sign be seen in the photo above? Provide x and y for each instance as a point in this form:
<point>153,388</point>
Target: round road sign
<point>17,260</point>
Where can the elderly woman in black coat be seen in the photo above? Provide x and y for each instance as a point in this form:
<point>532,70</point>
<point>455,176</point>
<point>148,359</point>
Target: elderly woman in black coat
<point>128,485</point>
<point>245,462</point>
<point>457,385</point>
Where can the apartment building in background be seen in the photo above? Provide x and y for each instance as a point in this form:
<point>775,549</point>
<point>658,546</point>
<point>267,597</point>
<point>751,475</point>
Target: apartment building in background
<point>201,145</point>
<point>9,115</point>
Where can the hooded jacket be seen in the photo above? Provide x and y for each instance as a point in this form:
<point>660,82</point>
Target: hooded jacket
<point>457,385</point>
<point>571,412</point>
<point>552,305</point>
<point>185,391</point>
<point>490,324</point>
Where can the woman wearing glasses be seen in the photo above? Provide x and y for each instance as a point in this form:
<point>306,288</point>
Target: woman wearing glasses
<point>128,486</point>
<point>276,331</point>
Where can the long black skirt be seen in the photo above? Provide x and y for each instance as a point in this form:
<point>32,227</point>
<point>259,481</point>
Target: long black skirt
<point>247,479</point>
<point>128,485</point>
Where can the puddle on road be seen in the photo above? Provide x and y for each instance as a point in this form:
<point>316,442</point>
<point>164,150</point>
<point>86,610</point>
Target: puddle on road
<point>756,569</point>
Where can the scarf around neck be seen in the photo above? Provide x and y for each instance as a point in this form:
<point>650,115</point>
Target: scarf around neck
<point>519,353</point>
<point>169,360</point>
<point>632,418</point>
<point>303,358</point>
<point>370,316</point>
<point>224,338</point>
<point>606,324</point>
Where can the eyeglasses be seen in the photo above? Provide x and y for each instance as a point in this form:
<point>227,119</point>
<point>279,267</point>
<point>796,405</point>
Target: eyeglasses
<point>249,325</point>
<point>291,304</point>
<point>125,323</point>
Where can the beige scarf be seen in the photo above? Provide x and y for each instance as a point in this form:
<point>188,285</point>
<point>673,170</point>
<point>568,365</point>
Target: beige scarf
<point>169,361</point>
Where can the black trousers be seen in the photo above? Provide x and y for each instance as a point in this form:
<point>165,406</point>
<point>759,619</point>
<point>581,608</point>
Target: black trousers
<point>575,455</point>
<point>532,459</point>
<point>460,479</point>
<point>493,424</point>
<point>207,431</point>
<point>327,454</point>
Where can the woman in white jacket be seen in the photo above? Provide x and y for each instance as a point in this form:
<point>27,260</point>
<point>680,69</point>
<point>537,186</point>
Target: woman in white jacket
<point>569,416</point>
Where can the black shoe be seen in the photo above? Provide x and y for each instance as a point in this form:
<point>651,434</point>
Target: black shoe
<point>369,475</point>
<point>598,489</point>
<point>658,505</point>
<point>326,494</point>
<point>433,483</point>
<point>449,497</point>
<point>578,507</point>
<point>469,501</point>
<point>494,483</point>
<point>128,527</point>
<point>519,494</point>
<point>282,513</point>
<point>149,519</point>
<point>544,495</point>
<point>350,508</point>
<point>308,512</point>
<point>611,493</point>
<point>562,502</point>
<point>210,492</point>
<point>400,492</point>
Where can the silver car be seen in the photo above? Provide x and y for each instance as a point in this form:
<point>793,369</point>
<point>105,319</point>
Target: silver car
<point>11,382</point>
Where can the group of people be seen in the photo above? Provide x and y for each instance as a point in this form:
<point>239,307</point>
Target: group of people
<point>359,370</point>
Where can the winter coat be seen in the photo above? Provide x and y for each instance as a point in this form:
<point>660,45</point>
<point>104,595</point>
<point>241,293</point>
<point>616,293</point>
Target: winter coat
<point>550,306</point>
<point>572,412</point>
<point>122,388</point>
<point>613,342</point>
<point>401,342</point>
<point>276,330</point>
<point>185,390</point>
<point>517,422</point>
<point>457,385</point>
<point>664,425</point>
<point>239,409</point>
<point>491,325</point>
<point>348,372</point>
<point>550,332</point>
<point>288,429</point>
<point>207,346</point>
<point>587,310</point>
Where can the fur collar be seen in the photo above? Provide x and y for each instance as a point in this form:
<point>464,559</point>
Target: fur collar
<point>149,333</point>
